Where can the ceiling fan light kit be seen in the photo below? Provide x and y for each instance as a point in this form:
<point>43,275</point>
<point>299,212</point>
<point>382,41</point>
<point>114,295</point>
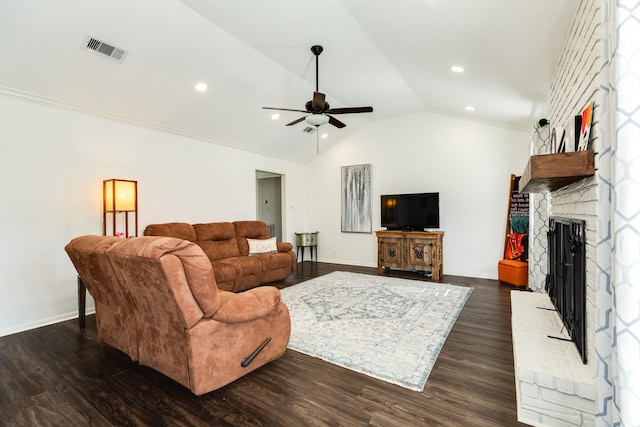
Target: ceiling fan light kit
<point>317,119</point>
<point>319,111</point>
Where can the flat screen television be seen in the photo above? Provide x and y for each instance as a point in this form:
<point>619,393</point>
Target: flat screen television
<point>417,211</point>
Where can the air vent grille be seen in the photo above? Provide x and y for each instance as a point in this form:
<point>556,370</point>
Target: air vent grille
<point>109,51</point>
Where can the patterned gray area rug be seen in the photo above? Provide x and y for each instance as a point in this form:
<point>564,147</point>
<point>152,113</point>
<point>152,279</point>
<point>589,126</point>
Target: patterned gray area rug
<point>389,328</point>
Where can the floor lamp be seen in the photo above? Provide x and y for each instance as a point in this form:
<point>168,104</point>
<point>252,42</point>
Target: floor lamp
<point>119,196</point>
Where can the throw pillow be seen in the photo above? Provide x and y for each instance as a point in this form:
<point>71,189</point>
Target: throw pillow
<point>262,246</point>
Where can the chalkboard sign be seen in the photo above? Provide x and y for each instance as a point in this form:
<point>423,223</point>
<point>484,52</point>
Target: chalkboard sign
<point>519,201</point>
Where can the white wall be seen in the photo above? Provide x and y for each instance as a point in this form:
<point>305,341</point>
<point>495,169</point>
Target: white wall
<point>52,163</point>
<point>468,162</point>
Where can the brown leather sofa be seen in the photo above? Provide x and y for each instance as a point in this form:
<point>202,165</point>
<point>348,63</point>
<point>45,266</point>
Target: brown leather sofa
<point>156,300</point>
<point>227,247</point>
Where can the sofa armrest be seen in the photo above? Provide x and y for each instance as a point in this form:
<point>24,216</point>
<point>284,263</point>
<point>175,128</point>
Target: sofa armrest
<point>248,305</point>
<point>284,246</point>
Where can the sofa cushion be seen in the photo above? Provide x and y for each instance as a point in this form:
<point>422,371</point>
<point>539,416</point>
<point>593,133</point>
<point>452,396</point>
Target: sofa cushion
<point>262,246</point>
<point>248,272</point>
<point>217,239</point>
<point>275,261</point>
<point>249,230</point>
<point>276,266</point>
<point>225,274</point>
<point>179,230</point>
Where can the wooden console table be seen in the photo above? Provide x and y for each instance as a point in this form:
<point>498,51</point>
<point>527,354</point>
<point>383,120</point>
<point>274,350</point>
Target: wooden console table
<point>411,251</point>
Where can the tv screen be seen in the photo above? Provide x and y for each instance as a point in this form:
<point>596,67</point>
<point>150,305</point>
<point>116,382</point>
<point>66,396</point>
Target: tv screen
<point>416,211</point>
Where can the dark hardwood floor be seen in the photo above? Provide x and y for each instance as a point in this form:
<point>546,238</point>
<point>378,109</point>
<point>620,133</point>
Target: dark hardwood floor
<point>60,376</point>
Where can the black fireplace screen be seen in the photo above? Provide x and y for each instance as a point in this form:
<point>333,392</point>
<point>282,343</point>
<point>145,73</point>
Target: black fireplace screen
<point>566,279</point>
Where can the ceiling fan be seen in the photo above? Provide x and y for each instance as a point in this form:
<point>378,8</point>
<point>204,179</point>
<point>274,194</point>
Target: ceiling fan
<point>319,111</point>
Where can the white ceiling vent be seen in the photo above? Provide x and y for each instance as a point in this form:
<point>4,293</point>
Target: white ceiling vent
<point>109,51</point>
<point>308,129</point>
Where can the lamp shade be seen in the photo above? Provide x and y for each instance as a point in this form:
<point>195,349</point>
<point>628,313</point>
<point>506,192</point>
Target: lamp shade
<point>317,119</point>
<point>120,195</point>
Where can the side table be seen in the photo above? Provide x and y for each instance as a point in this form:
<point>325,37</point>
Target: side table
<point>82,302</point>
<point>307,240</point>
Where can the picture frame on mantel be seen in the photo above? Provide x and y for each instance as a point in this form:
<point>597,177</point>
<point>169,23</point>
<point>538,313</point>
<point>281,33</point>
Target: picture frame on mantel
<point>571,136</point>
<point>585,128</point>
<point>557,139</point>
<point>356,199</point>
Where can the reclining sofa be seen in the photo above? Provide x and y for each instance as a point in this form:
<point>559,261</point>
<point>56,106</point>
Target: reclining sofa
<point>242,254</point>
<point>156,300</point>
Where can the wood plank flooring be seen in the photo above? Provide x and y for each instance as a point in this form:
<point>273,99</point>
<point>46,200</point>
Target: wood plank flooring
<point>60,376</point>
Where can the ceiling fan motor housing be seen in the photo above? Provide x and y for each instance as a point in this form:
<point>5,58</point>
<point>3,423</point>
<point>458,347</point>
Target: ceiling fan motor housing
<point>309,107</point>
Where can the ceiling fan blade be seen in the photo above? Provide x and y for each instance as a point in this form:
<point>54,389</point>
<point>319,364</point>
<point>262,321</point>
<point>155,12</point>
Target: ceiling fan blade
<point>318,101</point>
<point>337,123</point>
<point>295,122</point>
<point>284,109</point>
<point>350,110</point>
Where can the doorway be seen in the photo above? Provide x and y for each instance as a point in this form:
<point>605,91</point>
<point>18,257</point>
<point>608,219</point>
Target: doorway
<point>269,201</point>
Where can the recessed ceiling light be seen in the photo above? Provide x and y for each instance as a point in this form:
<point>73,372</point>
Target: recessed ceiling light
<point>457,69</point>
<point>470,108</point>
<point>201,87</point>
<point>324,135</point>
<point>275,116</point>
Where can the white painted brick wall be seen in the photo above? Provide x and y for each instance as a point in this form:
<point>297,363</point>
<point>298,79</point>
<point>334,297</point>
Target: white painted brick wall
<point>575,85</point>
<point>557,395</point>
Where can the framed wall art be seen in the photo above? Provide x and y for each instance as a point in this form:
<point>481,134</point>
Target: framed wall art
<point>585,128</point>
<point>356,199</point>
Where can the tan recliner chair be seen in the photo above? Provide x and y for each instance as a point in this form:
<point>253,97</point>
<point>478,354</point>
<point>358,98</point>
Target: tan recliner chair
<point>115,319</point>
<point>185,327</point>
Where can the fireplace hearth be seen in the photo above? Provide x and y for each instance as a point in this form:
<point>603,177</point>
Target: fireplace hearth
<point>566,281</point>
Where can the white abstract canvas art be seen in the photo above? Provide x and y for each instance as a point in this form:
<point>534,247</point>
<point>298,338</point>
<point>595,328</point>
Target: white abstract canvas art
<point>356,199</point>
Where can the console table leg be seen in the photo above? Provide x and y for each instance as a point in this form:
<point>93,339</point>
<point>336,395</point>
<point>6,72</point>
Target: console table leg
<point>82,302</point>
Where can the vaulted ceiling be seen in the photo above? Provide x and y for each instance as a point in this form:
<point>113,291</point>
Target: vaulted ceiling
<point>392,55</point>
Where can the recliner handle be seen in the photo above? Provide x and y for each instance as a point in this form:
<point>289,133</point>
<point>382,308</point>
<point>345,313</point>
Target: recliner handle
<point>247,360</point>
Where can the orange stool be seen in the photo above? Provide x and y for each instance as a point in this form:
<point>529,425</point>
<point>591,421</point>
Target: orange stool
<point>514,272</point>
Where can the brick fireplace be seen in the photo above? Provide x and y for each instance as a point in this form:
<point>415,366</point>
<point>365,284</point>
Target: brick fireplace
<point>554,384</point>
<point>554,387</point>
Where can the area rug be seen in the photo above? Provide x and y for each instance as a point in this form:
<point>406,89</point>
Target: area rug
<point>389,328</point>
